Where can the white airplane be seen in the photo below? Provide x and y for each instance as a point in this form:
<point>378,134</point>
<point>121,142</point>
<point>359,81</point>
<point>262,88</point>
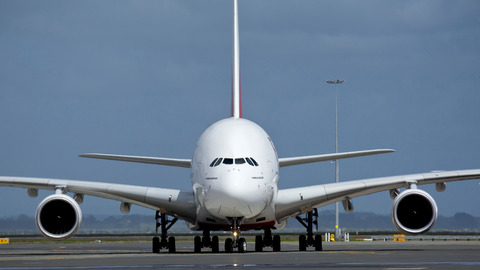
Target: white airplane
<point>235,174</point>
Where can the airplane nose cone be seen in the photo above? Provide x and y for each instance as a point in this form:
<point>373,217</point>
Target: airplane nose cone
<point>235,197</point>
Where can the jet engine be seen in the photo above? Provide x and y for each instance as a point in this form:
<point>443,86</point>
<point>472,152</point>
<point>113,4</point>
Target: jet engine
<point>414,211</point>
<point>58,216</point>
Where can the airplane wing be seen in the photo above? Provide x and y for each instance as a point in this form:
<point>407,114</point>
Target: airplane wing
<point>283,162</point>
<point>172,201</point>
<point>294,201</point>
<point>185,163</point>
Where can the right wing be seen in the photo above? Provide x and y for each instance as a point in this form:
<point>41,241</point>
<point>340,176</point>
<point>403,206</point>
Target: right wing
<point>186,163</point>
<point>294,201</point>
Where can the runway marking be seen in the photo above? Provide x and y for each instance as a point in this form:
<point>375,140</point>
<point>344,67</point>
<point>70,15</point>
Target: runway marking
<point>77,267</point>
<point>415,265</point>
<point>42,257</point>
<point>406,268</point>
<point>349,252</point>
<point>249,266</point>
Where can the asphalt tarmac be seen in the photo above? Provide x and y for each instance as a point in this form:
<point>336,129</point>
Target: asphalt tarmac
<point>102,254</point>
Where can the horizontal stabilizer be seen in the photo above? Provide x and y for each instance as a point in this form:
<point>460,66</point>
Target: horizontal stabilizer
<point>186,163</point>
<point>283,162</point>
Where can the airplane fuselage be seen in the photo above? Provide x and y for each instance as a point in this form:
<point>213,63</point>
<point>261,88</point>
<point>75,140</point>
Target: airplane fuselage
<point>235,175</point>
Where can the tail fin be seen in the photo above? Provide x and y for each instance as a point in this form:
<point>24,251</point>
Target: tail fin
<point>236,92</point>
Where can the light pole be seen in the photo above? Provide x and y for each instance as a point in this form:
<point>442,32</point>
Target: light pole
<point>337,169</point>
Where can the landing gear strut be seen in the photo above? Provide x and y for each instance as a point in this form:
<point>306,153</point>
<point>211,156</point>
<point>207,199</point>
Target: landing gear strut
<point>267,241</point>
<point>309,240</point>
<point>237,241</point>
<point>205,241</point>
<point>165,242</point>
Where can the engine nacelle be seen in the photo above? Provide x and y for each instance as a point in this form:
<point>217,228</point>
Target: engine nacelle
<point>58,216</point>
<point>414,211</point>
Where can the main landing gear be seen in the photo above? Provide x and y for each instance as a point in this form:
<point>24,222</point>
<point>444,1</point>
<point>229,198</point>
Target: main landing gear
<point>267,241</point>
<point>309,240</point>
<point>304,241</point>
<point>205,241</point>
<point>165,224</point>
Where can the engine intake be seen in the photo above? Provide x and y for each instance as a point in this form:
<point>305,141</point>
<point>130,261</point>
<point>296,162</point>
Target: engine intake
<point>58,217</point>
<point>414,211</point>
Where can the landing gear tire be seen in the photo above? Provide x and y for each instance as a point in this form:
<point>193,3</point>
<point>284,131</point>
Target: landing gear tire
<point>228,245</point>
<point>258,243</point>
<point>318,243</point>
<point>215,248</point>
<point>171,245</point>
<point>276,243</point>
<point>197,244</point>
<point>242,245</point>
<point>156,245</point>
<point>302,243</point>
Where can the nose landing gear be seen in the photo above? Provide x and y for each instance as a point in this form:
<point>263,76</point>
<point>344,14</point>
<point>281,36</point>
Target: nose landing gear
<point>237,241</point>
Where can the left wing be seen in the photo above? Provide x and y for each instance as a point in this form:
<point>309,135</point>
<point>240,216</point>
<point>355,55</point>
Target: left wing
<point>172,201</point>
<point>295,201</point>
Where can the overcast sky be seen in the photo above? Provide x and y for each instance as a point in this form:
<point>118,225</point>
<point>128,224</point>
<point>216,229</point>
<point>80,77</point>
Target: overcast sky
<point>147,77</point>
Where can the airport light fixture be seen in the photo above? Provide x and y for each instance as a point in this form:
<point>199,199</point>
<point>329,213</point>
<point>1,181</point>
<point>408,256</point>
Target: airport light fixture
<point>337,168</point>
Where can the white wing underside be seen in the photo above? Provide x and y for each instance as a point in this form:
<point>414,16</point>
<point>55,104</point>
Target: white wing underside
<point>294,201</point>
<point>289,203</point>
<point>171,201</point>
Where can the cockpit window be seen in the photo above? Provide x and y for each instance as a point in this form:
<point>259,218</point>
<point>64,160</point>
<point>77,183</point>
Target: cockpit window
<point>228,161</point>
<point>213,162</point>
<point>218,162</point>
<point>239,161</point>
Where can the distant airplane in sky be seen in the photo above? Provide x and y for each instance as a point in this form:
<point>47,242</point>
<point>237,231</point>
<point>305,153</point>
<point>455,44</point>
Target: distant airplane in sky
<point>235,174</point>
